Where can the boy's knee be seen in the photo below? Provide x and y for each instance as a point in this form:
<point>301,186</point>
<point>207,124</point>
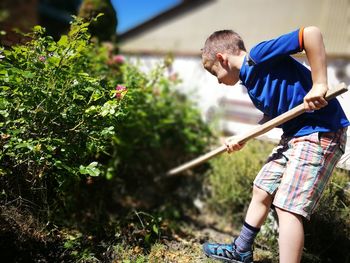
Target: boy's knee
<point>261,195</point>
<point>259,192</point>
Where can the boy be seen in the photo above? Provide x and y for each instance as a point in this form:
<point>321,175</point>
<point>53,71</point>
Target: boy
<point>294,176</point>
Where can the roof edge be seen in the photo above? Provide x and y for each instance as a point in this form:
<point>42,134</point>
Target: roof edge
<point>180,9</point>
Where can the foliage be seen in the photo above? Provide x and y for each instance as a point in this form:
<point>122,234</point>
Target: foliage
<point>47,90</point>
<point>84,134</point>
<point>70,116</point>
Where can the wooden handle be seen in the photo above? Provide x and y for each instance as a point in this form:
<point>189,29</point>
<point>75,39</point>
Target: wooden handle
<point>267,126</point>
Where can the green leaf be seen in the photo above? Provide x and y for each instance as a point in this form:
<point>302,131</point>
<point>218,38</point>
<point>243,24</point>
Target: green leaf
<point>63,41</point>
<point>28,74</point>
<point>110,173</point>
<point>92,110</point>
<point>51,48</point>
<point>53,60</point>
<point>155,229</point>
<point>91,169</point>
<point>3,72</point>
<point>77,96</point>
<point>148,238</point>
<point>24,145</point>
<point>99,15</point>
<point>108,108</point>
<point>4,113</point>
<point>5,88</point>
<point>108,131</point>
<point>38,29</point>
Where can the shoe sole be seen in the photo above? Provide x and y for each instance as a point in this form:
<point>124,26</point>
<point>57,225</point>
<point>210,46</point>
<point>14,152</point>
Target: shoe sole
<point>223,259</point>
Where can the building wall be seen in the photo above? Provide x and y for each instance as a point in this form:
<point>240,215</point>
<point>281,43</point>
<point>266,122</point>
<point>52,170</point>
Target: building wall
<point>255,20</point>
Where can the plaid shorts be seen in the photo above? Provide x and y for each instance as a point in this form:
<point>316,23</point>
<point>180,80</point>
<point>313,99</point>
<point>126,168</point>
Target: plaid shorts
<point>298,170</point>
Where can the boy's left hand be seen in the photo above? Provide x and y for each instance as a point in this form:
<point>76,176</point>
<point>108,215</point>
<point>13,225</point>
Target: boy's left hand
<point>314,99</point>
<point>233,145</point>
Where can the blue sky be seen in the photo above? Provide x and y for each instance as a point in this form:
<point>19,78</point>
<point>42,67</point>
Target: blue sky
<point>133,12</point>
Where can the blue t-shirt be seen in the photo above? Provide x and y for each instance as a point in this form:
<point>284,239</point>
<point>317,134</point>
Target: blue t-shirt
<point>276,83</point>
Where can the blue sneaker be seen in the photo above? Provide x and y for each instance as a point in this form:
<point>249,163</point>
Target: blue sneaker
<point>227,253</point>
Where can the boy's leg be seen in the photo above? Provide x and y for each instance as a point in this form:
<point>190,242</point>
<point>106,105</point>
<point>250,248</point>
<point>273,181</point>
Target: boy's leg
<point>258,207</point>
<point>265,184</point>
<point>291,236</point>
<point>312,159</point>
<point>255,217</point>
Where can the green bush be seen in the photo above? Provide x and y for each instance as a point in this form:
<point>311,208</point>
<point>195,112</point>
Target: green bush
<point>83,136</point>
<point>69,115</point>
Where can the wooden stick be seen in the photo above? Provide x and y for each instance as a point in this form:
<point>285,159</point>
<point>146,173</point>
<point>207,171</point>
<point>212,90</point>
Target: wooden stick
<point>298,110</point>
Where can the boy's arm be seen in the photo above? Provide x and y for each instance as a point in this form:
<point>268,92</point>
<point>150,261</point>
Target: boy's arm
<point>316,55</point>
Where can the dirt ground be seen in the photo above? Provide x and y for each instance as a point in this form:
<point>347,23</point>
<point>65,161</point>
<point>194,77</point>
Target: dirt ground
<point>22,239</point>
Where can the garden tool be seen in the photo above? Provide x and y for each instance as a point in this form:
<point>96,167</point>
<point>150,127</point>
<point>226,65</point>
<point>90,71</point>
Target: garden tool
<point>267,126</point>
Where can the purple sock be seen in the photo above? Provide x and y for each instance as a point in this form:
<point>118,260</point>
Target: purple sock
<point>246,238</point>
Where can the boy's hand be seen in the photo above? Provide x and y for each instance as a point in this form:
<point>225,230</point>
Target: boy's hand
<point>314,99</point>
<point>232,145</point>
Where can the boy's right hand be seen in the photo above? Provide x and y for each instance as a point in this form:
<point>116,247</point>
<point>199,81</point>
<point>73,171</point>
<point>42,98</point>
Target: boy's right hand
<point>314,99</point>
<point>232,145</point>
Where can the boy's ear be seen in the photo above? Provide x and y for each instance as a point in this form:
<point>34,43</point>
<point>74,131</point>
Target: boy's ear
<point>221,58</point>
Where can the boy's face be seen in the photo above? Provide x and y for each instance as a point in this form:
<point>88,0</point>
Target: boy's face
<point>222,71</point>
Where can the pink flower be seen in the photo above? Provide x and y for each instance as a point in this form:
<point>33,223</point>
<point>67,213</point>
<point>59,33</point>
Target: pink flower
<point>173,77</point>
<point>118,59</point>
<point>120,88</point>
<point>120,91</point>
<point>42,58</point>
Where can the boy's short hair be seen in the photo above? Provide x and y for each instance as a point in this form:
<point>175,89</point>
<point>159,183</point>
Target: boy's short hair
<point>222,41</point>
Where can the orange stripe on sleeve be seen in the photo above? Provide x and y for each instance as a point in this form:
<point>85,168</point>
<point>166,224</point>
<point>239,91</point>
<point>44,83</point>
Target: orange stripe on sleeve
<point>301,38</point>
